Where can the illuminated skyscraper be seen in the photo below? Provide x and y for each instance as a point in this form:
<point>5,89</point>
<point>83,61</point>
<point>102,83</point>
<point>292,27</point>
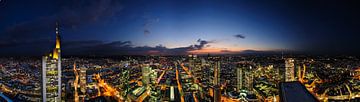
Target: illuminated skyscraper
<point>239,78</point>
<point>154,92</point>
<point>146,74</point>
<point>217,73</point>
<point>289,70</point>
<point>125,75</point>
<point>191,61</point>
<point>51,73</point>
<point>149,78</point>
<point>82,83</point>
<point>76,83</point>
<point>217,91</point>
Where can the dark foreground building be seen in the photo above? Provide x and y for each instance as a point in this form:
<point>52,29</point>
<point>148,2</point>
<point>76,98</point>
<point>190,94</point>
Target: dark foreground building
<point>295,92</point>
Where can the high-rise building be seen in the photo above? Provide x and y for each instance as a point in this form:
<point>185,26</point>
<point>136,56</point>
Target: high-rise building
<point>239,78</point>
<point>76,83</point>
<point>51,73</point>
<point>217,91</point>
<point>244,76</point>
<point>146,69</point>
<point>191,62</point>
<point>82,83</point>
<point>149,78</point>
<point>289,70</point>
<point>154,92</point>
<point>125,75</point>
<point>217,73</point>
<point>249,80</point>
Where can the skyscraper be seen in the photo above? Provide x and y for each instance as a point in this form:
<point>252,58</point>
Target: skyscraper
<point>289,70</point>
<point>146,69</point>
<point>154,92</point>
<point>217,73</point>
<point>239,78</point>
<point>191,62</point>
<point>217,91</point>
<point>51,73</point>
<point>244,76</point>
<point>82,82</point>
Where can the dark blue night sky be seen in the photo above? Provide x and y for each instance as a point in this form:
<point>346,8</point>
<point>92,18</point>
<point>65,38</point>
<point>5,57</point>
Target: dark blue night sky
<point>169,27</point>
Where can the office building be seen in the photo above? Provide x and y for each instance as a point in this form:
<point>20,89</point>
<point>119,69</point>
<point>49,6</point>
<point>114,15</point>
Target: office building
<point>289,70</point>
<point>51,73</point>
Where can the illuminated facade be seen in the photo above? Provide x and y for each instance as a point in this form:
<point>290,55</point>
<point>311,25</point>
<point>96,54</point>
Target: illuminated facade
<point>244,77</point>
<point>82,83</point>
<point>239,79</point>
<point>191,62</point>
<point>51,73</point>
<point>146,74</point>
<point>154,92</point>
<point>216,80</point>
<point>217,91</point>
<point>125,84</point>
<point>289,70</point>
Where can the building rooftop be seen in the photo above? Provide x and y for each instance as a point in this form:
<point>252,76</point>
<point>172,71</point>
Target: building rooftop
<point>295,92</point>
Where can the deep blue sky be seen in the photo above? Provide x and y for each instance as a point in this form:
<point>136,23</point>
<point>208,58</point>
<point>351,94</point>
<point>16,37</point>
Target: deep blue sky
<point>116,27</point>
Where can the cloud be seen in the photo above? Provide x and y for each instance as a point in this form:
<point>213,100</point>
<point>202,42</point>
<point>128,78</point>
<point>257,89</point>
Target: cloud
<point>202,44</point>
<point>239,36</point>
<point>126,48</point>
<point>225,51</point>
<point>71,15</point>
<point>146,31</point>
<point>148,23</point>
<point>36,36</point>
<point>103,48</point>
<point>96,47</point>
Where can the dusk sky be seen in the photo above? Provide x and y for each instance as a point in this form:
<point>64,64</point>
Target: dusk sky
<point>117,27</point>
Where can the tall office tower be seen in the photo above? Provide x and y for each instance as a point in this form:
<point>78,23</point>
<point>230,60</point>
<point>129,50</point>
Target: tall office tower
<point>298,73</point>
<point>217,73</point>
<point>217,91</point>
<point>244,77</point>
<point>76,83</point>
<point>289,70</point>
<point>82,83</point>
<point>191,62</point>
<point>197,70</point>
<point>239,78</point>
<point>249,80</point>
<point>51,73</point>
<point>154,92</point>
<point>146,74</point>
<point>124,83</point>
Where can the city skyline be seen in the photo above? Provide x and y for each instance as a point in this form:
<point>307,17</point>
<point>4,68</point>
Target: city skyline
<point>111,27</point>
<point>179,51</point>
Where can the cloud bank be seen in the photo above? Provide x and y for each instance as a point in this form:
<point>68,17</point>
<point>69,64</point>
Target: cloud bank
<point>96,47</point>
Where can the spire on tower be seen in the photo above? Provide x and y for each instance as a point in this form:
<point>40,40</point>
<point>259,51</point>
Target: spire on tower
<point>57,36</point>
<point>56,51</point>
<point>57,28</point>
